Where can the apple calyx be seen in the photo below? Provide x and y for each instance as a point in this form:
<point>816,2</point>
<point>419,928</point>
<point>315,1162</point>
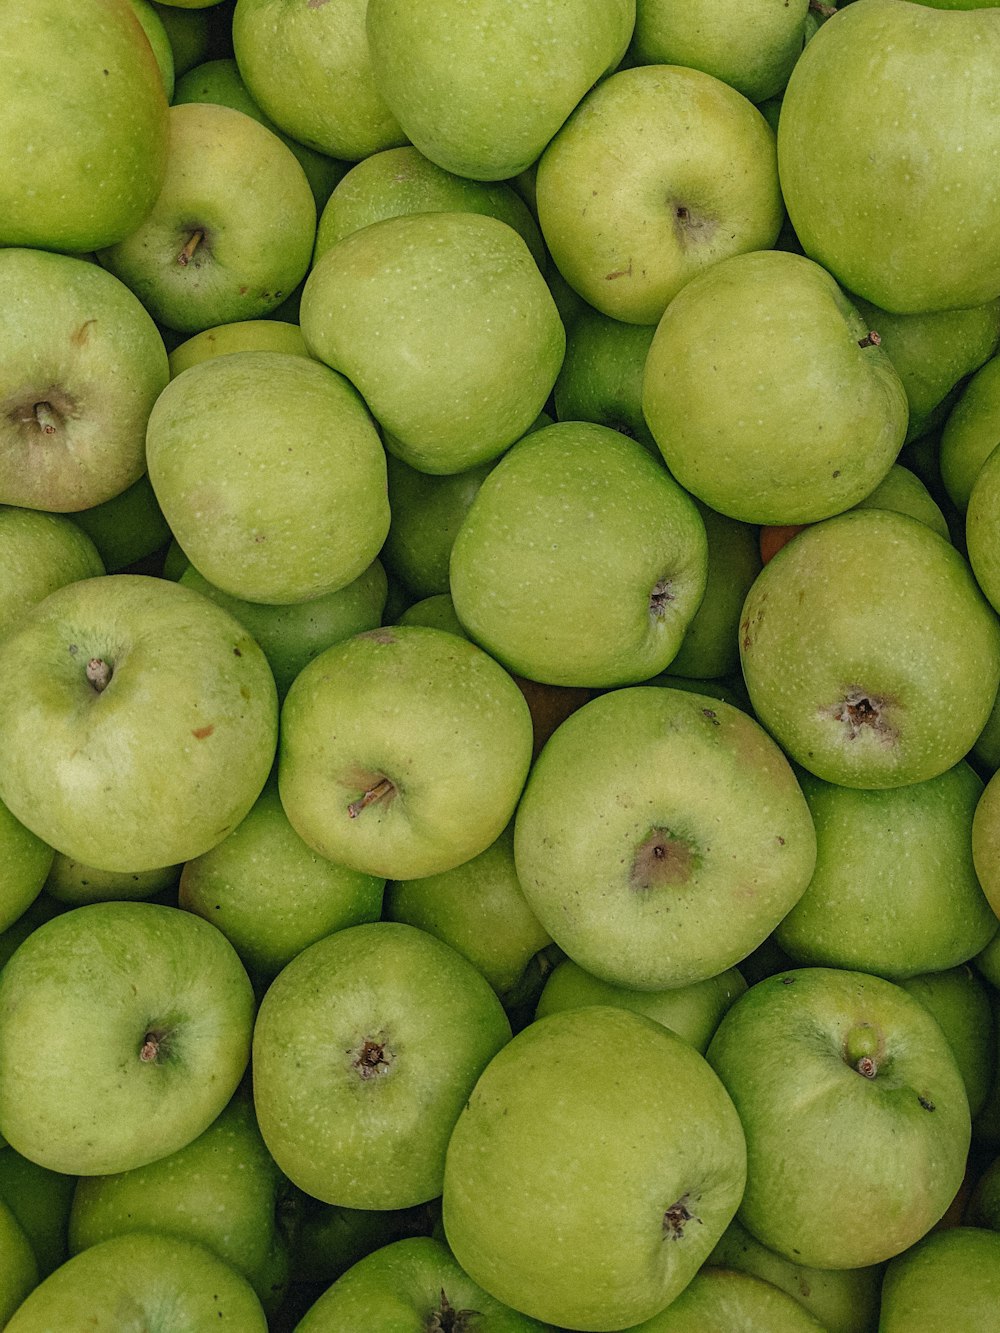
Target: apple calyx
<point>153,1046</point>
<point>660,597</point>
<point>446,1319</point>
<point>372,1058</point>
<point>676,1218</point>
<point>47,418</point>
<point>382,790</point>
<point>861,714</point>
<point>662,859</point>
<point>99,673</point>
<point>864,1050</point>
<point>871,339</point>
<point>190,246</point>
<point>691,226</point>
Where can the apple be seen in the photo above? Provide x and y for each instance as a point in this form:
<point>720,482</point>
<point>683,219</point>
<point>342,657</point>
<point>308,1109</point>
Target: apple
<point>960,1002</point>
<point>893,204</point>
<point>243,335</point>
<point>481,89</point>
<point>661,837</point>
<point>42,552</point>
<point>262,523</point>
<point>660,172</point>
<point>365,1049</point>
<point>156,35</point>
<point>18,1266</point>
<point>895,890</point>
<point>971,433</point>
<point>855,1114</point>
<point>595,1165</point>
<point>986,842</point>
<point>983,1209</point>
<point>105,1068</point>
<point>446,327</point>
<point>139,723</point>
<point>331,1239</point>
<point>401,180</point>
<point>74,884</point>
<point>982,519</point>
<point>766,394</point>
<point>436,612</point>
<point>202,256</point>
<point>403,752</point>
<point>601,375</point>
<point>721,1298</point>
<point>949,1280</point>
<point>188,31</point>
<point>126,529</point>
<point>270,894</point>
<point>85,129</point>
<point>902,490</point>
<point>142,1280</point>
<point>40,1199</point>
<point>83,365</point>
<point>869,652</point>
<point>410,1286</point>
<point>594,579</point>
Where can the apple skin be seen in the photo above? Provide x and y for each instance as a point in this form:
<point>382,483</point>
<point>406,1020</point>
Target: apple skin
<point>721,1298</point>
<point>445,325</point>
<point>128,528</point>
<point>365,1049</point>
<point>142,1281</point>
<point>74,884</point>
<point>202,256</point>
<point>172,752</point>
<point>949,1280</point>
<point>764,396</point>
<point>40,1200</point>
<point>971,433</point>
<point>884,201</point>
<point>94,112</point>
<point>18,1266</point>
<point>426,713</point>
<point>960,1002</point>
<point>612,1161</point>
<point>660,172</point>
<point>827,1067</point>
<point>903,491</point>
<point>156,35</point>
<point>265,524</point>
<point>244,335</point>
<point>42,552</point>
<point>662,835</point>
<point>402,1288</point>
<point>982,524</point>
<point>83,365</point>
<point>986,841</point>
<point>580,561</point>
<point>453,73</point>
<point>865,677</point>
<point>601,375</point>
<point>105,1068</point>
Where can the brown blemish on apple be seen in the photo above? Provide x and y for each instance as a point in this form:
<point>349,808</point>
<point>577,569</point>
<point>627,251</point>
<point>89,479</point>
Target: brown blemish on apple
<point>676,1218</point>
<point>79,336</point>
<point>662,860</point>
<point>382,635</point>
<point>861,713</point>
<point>200,733</point>
<point>446,1319</point>
<point>619,273</point>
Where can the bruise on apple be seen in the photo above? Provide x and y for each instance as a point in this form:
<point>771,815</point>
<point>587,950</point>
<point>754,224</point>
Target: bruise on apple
<point>662,859</point>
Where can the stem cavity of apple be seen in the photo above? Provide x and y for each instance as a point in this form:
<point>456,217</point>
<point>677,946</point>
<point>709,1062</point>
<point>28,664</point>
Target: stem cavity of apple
<point>660,597</point>
<point>149,1051</point>
<point>861,713</point>
<point>446,1319</point>
<point>191,245</point>
<point>676,1218</point>
<point>871,339</point>
<point>99,674</point>
<point>380,791</point>
<point>47,417</point>
<point>662,859</point>
<point>864,1050</point>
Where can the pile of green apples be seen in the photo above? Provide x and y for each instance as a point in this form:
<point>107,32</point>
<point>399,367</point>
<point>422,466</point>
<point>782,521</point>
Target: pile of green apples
<point>499,657</point>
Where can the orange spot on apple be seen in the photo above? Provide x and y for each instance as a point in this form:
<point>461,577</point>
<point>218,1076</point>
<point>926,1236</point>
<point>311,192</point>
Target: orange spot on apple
<point>772,539</point>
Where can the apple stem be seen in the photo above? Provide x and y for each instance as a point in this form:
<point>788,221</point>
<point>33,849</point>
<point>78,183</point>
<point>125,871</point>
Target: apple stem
<point>46,417</point>
<point>193,241</point>
<point>98,673</point>
<point>871,339</point>
<point>381,789</point>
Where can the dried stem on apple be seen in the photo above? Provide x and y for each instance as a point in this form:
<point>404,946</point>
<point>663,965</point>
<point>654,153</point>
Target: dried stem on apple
<point>47,418</point>
<point>193,241</point>
<point>99,673</point>
<point>150,1048</point>
<point>381,789</point>
<point>871,339</point>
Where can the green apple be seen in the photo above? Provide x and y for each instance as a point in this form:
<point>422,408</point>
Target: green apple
<point>453,74</point>
<point>85,130</point>
<point>844,1300</point>
<point>693,1012</point>
<point>766,394</point>
<point>753,48</point>
<point>156,35</point>
<point>309,68</point>
<point>982,522</point>
<point>479,909</point>
<point>959,1000</point>
<point>983,1208</point>
<point>580,561</point>
<point>40,1199</point>
<point>436,612</point>
<point>244,335</point>
<point>365,1049</point>
<point>949,1280</point>
<point>971,433</point>
<point>446,327</point>
<point>410,1286</point>
<point>331,1239</point>
<point>292,634</point>
<point>41,552</point>
<point>83,365</point>
<point>660,172</point>
<point>266,524</point>
<point>74,884</point>
<point>188,31</point>
<point>401,180</point>
<point>138,725</point>
<point>895,891</point>
<point>232,230</point>
<point>661,837</point>
<point>855,1114</point>
<point>720,1298</point>
<point>891,203</point>
<point>128,528</point>
<point>601,375</point>
<point>868,651</point>
<point>42,909</point>
<point>270,894</point>
<point>403,752</point>
<point>219,81</point>
<point>986,842</point>
<point>124,1031</point>
<point>18,1266</point>
<point>902,490</point>
<point>142,1281</point>
<point>222,1190</point>
<point>595,1165</point>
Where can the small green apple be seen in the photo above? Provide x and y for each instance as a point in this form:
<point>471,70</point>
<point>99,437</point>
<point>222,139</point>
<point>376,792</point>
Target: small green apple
<point>959,1000</point>
<point>40,1199</point>
<point>971,433</point>
<point>902,490</point>
<point>722,1298</point>
<point>41,552</point>
<point>244,335</point>
<point>950,1280</point>
<point>18,1265</point>
<point>74,884</point>
<point>601,375</point>
<point>128,528</point>
<point>156,35</point>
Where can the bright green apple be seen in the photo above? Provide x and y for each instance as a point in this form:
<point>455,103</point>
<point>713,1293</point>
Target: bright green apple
<point>660,172</point>
<point>601,375</point>
<point>138,725</point>
<point>264,523</point>
<point>124,1031</point>
<point>41,552</point>
<point>766,395</point>
<point>436,612</point>
<point>188,31</point>
<point>949,1280</point>
<point>452,74</point>
<point>959,1000</point>
<point>156,35</point>
<point>595,1165</point>
<point>365,1049</point>
<point>74,884</point>
<point>720,1298</point>
<point>85,129</point>
<point>869,652</point>
<point>986,842</point>
<point>446,327</point>
<point>902,490</point>
<point>243,335</point>
<point>971,432</point>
